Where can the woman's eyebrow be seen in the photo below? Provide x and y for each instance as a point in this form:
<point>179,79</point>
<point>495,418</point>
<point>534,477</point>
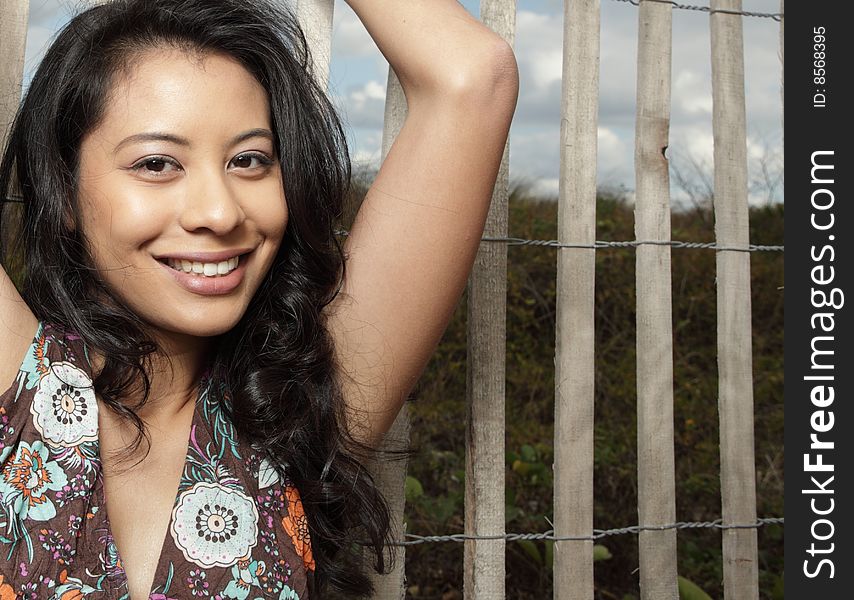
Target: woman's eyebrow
<point>158,136</point>
<point>258,132</point>
<point>153,136</point>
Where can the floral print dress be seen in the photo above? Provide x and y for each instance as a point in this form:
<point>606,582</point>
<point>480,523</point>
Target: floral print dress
<point>236,530</point>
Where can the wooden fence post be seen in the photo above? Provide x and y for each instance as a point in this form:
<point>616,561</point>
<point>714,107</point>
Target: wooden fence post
<point>656,465</point>
<point>315,17</point>
<point>735,360</point>
<point>576,267</point>
<point>13,45</point>
<point>483,560</point>
<point>391,476</point>
<point>782,61</point>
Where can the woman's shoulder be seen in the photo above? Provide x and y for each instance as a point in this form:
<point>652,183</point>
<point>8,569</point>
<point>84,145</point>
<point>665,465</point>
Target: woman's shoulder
<point>52,397</point>
<point>55,351</point>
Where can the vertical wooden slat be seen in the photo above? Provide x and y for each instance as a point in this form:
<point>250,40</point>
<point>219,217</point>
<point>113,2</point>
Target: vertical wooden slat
<point>13,44</point>
<point>735,361</point>
<point>656,478</point>
<point>782,62</point>
<point>391,476</point>
<point>315,17</point>
<point>483,560</point>
<point>574,364</point>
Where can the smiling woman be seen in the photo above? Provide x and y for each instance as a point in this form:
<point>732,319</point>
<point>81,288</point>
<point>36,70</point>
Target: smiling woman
<point>182,177</point>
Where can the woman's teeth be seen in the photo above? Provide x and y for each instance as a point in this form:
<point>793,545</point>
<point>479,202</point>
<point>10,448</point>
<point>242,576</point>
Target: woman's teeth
<point>206,269</point>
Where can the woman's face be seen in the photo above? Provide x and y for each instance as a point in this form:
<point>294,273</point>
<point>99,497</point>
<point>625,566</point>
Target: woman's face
<point>181,175</point>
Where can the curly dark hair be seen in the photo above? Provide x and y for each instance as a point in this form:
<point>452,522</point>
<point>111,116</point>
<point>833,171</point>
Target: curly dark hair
<point>277,363</point>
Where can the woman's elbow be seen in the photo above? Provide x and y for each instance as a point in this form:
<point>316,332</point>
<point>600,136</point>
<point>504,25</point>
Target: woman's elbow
<point>489,81</point>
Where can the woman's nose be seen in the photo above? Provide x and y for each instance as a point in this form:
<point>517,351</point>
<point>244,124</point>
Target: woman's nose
<point>212,203</point>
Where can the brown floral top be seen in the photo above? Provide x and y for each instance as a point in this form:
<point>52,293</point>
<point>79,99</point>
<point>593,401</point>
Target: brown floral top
<point>236,531</point>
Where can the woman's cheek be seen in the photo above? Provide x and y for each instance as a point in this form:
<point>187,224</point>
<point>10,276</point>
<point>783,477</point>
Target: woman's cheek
<point>136,216</point>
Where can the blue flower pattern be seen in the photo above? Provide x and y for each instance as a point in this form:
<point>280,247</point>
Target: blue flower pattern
<point>225,539</point>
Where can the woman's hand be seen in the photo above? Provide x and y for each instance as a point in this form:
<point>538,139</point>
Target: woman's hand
<point>414,240</point>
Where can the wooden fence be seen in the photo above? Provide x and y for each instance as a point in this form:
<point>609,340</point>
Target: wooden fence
<point>576,276</point>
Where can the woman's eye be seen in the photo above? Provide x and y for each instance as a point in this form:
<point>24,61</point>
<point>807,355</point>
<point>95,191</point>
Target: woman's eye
<point>244,161</point>
<point>156,165</point>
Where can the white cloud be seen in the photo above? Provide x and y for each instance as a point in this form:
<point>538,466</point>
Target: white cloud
<point>614,158</point>
<point>691,94</point>
<point>539,54</point>
<point>364,156</point>
<point>610,145</point>
<point>692,142</point>
<point>534,152</point>
<point>547,186</point>
<point>369,149</point>
<point>373,90</point>
<point>350,39</point>
<point>364,106</point>
<point>355,54</point>
<point>539,48</point>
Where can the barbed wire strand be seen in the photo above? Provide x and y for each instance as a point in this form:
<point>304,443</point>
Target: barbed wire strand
<point>633,243</point>
<point>745,13</point>
<point>513,241</point>
<point>597,533</point>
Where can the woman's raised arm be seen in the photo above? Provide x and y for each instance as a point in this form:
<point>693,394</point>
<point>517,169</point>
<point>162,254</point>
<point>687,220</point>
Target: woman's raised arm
<point>17,327</point>
<point>414,240</point>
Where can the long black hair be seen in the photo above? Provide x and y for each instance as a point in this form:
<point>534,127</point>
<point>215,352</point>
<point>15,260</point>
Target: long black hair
<point>277,363</point>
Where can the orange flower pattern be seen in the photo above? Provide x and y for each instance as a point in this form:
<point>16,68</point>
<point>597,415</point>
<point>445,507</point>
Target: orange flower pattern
<point>7,592</point>
<point>39,354</point>
<point>296,524</point>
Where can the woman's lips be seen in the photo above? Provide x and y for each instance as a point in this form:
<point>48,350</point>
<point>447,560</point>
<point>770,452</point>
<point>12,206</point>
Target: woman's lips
<point>210,286</point>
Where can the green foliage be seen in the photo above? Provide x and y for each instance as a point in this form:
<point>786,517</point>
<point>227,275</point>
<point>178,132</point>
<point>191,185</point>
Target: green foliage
<point>546,559</point>
<point>600,552</point>
<point>413,490</point>
<point>688,590</point>
<point>438,410</point>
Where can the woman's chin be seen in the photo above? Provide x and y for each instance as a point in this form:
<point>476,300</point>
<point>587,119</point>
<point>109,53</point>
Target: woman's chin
<point>203,326</point>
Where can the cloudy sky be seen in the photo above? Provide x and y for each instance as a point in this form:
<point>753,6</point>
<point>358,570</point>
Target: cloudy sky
<point>359,72</point>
